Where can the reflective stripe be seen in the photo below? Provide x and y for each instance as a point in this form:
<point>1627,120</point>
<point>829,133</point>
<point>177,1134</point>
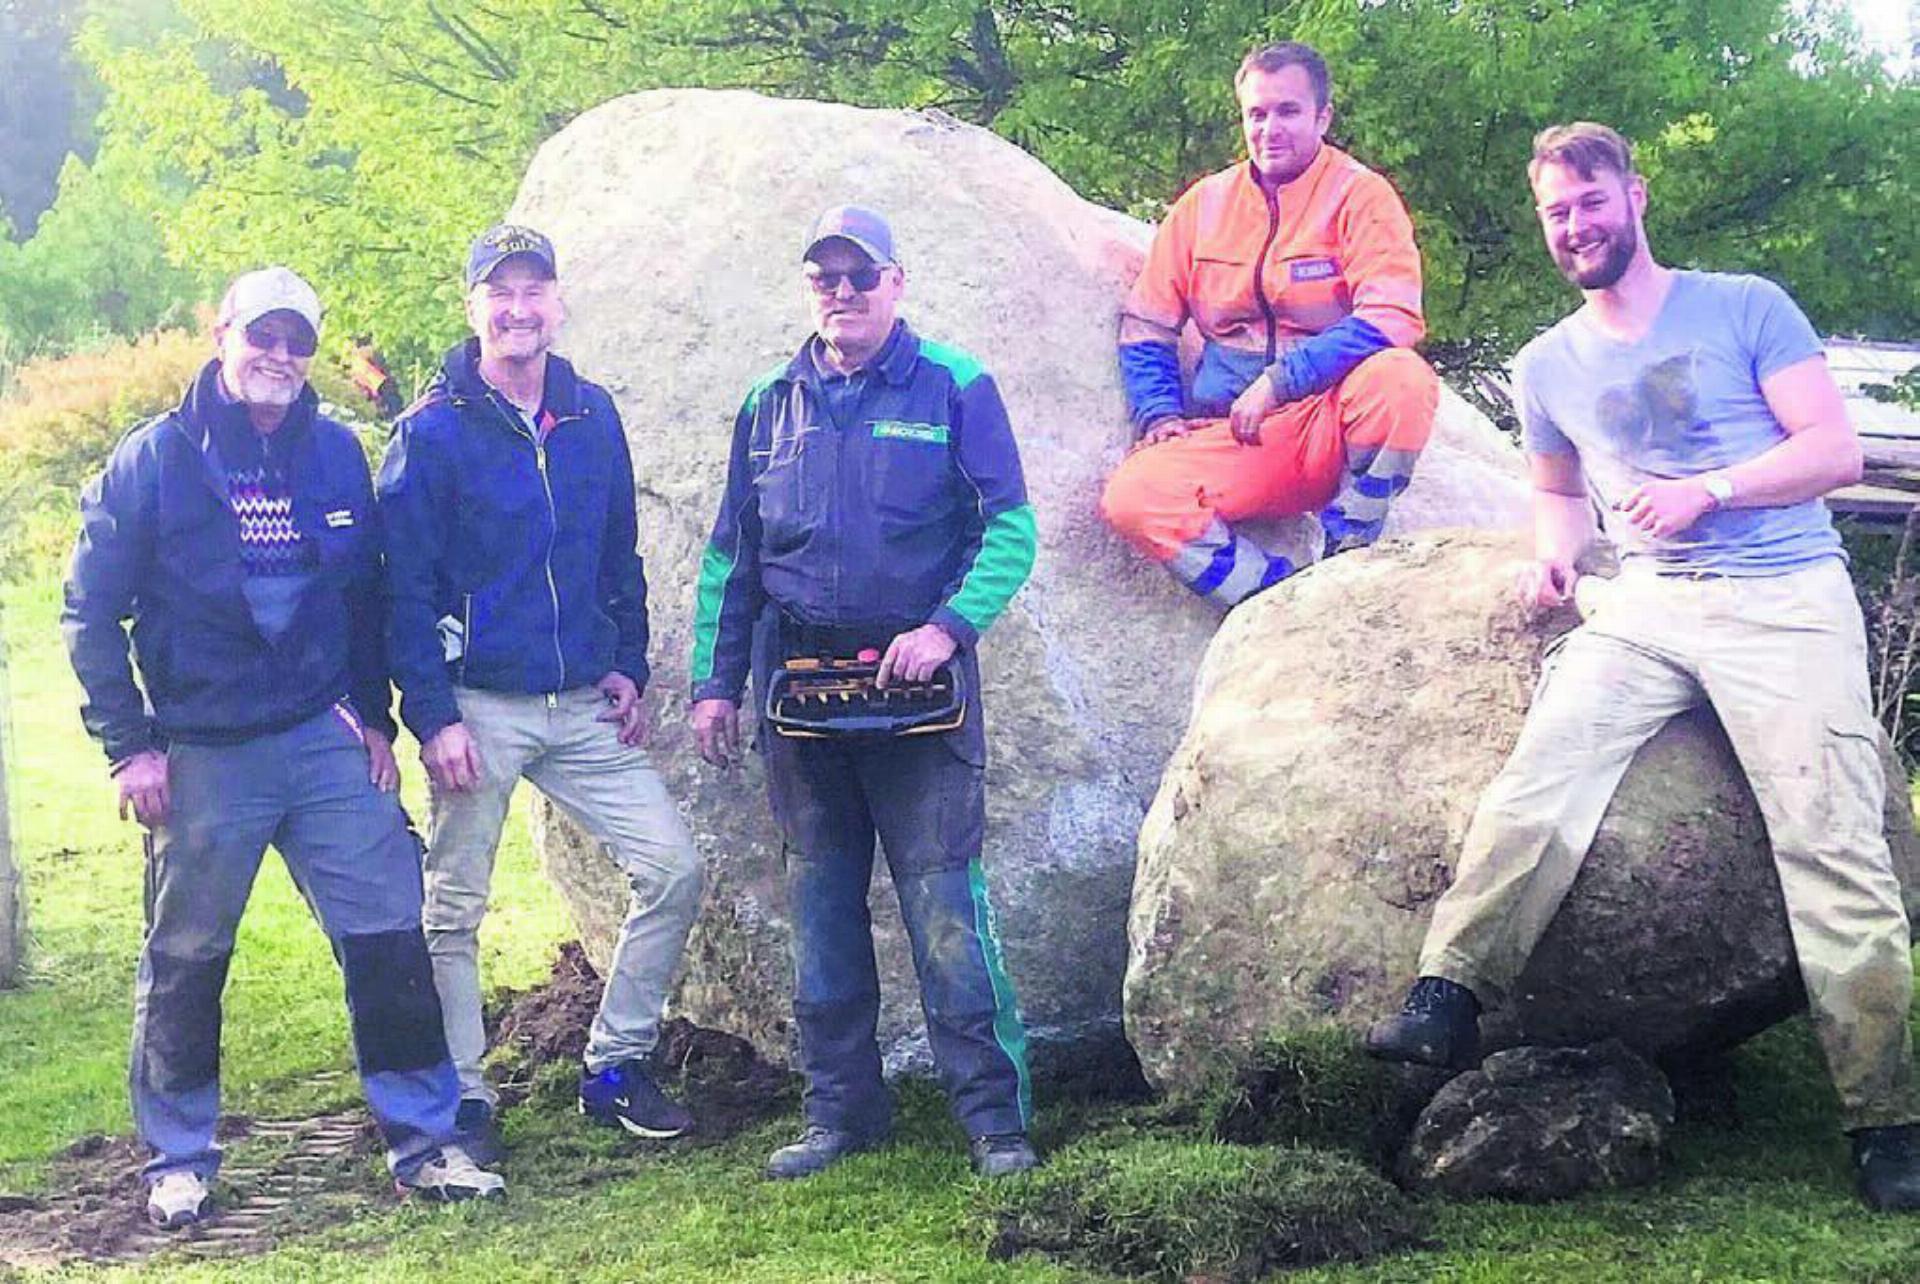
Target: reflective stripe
<point>715,568</point>
<point>1008,1029</point>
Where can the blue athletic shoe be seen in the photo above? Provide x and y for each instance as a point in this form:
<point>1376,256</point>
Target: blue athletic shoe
<point>623,1096</point>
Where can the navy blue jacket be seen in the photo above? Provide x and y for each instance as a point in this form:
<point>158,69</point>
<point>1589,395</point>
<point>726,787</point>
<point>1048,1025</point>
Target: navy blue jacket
<point>511,563</point>
<point>159,545</point>
<point>911,511</point>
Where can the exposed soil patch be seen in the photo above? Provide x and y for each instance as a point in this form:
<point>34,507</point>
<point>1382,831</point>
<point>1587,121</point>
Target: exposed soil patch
<point>718,1076</point>
<point>284,1178</point>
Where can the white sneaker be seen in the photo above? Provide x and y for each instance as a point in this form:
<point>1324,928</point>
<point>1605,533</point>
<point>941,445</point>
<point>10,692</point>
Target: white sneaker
<point>450,1177</point>
<point>178,1199</point>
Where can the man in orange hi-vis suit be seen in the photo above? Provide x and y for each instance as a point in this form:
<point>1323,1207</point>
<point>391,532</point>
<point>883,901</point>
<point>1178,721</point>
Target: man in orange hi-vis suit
<point>1300,272</point>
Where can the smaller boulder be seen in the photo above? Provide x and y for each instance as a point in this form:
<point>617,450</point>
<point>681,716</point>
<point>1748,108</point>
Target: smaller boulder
<point>1537,1124</point>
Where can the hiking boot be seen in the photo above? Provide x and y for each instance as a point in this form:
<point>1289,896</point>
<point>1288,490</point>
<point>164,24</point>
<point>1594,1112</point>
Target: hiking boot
<point>1002,1154</point>
<point>480,1132</point>
<point>623,1096</point>
<point>1886,1167</point>
<point>177,1199</point>
<point>1438,1026</point>
<point>817,1148</point>
<point>451,1177</point>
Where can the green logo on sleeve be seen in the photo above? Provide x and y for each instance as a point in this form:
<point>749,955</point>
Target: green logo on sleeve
<point>932,434</point>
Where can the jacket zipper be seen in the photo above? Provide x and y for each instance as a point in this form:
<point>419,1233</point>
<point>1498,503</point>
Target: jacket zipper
<point>553,589</point>
<point>1260,272</point>
<point>466,634</point>
<point>553,530</point>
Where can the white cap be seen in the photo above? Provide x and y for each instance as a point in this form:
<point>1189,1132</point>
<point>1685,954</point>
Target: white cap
<point>271,289</point>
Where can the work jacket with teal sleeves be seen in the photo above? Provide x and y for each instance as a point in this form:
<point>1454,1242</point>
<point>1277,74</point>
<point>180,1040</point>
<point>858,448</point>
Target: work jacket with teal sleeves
<point>900,501</point>
<point>159,545</point>
<point>511,559</point>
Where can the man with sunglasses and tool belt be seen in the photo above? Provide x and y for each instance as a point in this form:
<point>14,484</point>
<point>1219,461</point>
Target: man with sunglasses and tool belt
<point>519,643</point>
<point>875,511</point>
<point>238,535</point>
<point>1299,270</point>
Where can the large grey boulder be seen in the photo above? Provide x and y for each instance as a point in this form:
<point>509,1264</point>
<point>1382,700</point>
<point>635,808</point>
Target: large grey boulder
<point>1344,726</point>
<point>678,216</point>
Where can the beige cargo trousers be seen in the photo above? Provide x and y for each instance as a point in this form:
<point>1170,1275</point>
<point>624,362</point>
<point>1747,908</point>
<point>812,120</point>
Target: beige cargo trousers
<point>1782,660</point>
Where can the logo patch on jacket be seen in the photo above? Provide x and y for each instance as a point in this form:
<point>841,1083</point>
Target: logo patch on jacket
<point>340,517</point>
<point>932,434</point>
<point>1314,270</point>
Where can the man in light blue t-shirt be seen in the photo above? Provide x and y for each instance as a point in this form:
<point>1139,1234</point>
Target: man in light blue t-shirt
<point>1697,411</point>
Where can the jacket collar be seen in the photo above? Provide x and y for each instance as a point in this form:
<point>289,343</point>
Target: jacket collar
<point>1326,156</point>
<point>206,406</point>
<point>894,363</point>
<point>460,379</point>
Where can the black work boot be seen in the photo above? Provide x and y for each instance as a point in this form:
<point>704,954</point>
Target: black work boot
<point>817,1148</point>
<point>1439,1025</point>
<point>1002,1154</point>
<point>1886,1167</point>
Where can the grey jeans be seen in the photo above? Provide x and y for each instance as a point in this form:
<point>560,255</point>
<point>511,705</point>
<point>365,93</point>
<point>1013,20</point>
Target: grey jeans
<point>1782,660</point>
<point>615,794</point>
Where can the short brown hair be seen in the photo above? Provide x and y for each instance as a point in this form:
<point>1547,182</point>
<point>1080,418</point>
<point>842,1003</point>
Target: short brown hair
<point>1289,53</point>
<point>1582,147</point>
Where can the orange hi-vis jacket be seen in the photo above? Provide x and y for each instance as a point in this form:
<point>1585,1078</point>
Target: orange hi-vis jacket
<point>1300,284</point>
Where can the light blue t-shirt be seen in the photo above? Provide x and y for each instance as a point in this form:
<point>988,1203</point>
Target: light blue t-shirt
<point>1684,399</point>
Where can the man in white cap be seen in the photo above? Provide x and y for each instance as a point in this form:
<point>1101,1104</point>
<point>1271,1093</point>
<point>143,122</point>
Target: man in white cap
<point>237,535</point>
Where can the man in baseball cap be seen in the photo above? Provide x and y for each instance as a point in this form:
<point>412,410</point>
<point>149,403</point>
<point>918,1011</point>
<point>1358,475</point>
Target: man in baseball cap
<point>519,644</point>
<point>901,554</point>
<point>236,533</point>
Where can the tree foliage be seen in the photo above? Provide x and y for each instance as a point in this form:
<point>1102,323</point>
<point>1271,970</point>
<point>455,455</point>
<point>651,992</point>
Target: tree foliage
<point>364,141</point>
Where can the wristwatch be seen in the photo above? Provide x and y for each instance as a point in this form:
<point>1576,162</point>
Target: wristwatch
<point>1718,488</point>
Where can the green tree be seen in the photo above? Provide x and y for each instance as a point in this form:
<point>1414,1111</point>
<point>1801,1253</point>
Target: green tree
<point>363,141</point>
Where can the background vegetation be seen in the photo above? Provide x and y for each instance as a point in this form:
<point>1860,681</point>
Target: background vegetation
<point>363,141</point>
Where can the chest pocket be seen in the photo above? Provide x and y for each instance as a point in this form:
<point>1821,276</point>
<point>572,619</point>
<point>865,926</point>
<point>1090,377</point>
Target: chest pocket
<point>912,468</point>
<point>1311,291</point>
<point>793,467</point>
<point>1221,299</point>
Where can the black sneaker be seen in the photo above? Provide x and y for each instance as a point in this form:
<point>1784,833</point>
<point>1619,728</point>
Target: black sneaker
<point>480,1132</point>
<point>817,1148</point>
<point>1002,1154</point>
<point>1886,1167</point>
<point>1438,1026</point>
<point>623,1096</point>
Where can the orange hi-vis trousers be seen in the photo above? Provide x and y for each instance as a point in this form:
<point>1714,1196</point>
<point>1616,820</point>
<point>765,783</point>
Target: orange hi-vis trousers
<point>1342,454</point>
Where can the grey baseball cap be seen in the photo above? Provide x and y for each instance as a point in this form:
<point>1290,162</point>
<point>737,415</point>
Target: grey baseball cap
<point>270,289</point>
<point>860,227</point>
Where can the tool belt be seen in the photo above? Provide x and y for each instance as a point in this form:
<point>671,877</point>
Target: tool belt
<point>825,688</point>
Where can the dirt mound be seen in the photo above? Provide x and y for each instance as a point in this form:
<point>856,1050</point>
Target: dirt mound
<point>718,1076</point>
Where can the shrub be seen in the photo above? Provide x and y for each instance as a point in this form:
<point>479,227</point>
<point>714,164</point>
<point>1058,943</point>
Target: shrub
<point>61,417</point>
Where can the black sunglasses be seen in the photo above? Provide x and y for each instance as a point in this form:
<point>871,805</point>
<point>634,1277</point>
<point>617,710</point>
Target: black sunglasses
<point>862,278</point>
<point>300,342</point>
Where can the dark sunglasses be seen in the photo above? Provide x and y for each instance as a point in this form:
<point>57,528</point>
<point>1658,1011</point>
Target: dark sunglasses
<point>863,279</point>
<point>300,343</point>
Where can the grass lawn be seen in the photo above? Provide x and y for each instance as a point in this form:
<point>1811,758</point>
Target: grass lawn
<point>1769,1201</point>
